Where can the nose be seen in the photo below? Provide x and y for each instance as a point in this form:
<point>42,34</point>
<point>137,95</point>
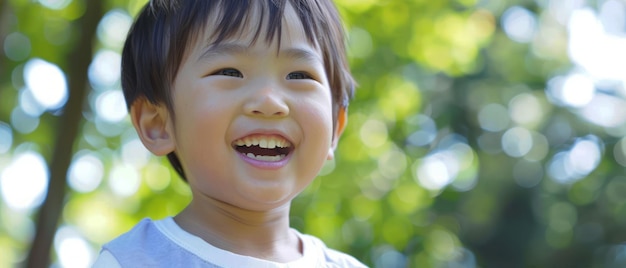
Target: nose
<point>266,101</point>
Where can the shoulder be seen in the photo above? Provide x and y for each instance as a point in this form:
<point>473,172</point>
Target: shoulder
<point>106,260</point>
<point>331,257</point>
<point>145,244</point>
<point>142,230</point>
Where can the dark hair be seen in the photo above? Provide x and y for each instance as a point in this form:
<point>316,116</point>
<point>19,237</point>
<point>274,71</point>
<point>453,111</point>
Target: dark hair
<point>165,29</point>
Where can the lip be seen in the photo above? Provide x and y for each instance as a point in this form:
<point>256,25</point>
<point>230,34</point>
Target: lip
<point>263,164</point>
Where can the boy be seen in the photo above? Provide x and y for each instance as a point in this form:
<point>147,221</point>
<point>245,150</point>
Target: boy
<point>247,99</point>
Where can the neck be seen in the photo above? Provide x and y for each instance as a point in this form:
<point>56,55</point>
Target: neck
<point>260,234</point>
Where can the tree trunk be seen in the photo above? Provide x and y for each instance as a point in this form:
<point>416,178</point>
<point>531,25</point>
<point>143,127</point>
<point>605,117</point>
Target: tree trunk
<point>78,62</point>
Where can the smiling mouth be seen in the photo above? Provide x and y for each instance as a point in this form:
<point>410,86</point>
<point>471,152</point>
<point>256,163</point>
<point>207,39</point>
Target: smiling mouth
<point>263,148</point>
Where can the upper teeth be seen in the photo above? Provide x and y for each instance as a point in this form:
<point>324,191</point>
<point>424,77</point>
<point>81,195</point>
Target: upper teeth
<point>269,142</point>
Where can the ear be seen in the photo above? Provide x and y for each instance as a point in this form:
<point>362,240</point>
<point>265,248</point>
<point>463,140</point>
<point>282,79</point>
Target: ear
<point>342,121</point>
<point>153,126</point>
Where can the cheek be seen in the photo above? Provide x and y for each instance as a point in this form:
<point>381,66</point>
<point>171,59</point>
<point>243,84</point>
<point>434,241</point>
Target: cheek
<point>200,126</point>
<point>317,121</point>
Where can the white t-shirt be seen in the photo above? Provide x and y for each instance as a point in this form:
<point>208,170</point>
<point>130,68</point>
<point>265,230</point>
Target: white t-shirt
<point>315,252</point>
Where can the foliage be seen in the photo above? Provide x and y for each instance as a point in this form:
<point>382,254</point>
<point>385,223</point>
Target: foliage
<point>470,142</point>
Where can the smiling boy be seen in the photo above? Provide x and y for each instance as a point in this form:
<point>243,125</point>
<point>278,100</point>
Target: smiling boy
<point>248,100</point>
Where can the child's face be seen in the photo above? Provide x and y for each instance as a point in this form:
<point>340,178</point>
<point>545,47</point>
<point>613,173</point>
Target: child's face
<point>232,99</point>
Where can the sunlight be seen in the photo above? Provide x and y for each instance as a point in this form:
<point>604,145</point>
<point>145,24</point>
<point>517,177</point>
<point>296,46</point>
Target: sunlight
<point>525,109</point>
<point>6,137</point>
<point>22,122</point>
<point>47,83</point>
<point>519,24</point>
<point>55,4</point>
<point>24,182</point>
<point>113,28</point>
<point>124,180</point>
<point>493,117</point>
<point>134,153</point>
<point>426,130</point>
<point>578,90</point>
<point>105,69</point>
<point>433,174</point>
<point>584,156</point>
<point>72,249</point>
<point>374,133</point>
<point>29,104</point>
<point>576,163</point>
<point>392,164</point>
<point>605,110</point>
<point>360,43</point>
<point>17,46</point>
<point>436,171</point>
<point>517,142</point>
<point>85,173</point>
<point>601,54</point>
<point>111,106</point>
<point>619,152</point>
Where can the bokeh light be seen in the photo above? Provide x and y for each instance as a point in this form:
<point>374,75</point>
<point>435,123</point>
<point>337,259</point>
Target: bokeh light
<point>6,137</point>
<point>72,249</point>
<point>17,46</point>
<point>360,43</point>
<point>24,182</point>
<point>477,125</point>
<point>601,54</point>
<point>134,153</point>
<point>454,163</point>
<point>23,122</point>
<point>374,133</point>
<point>55,4</point>
<point>605,110</point>
<point>47,83</point>
<point>526,109</point>
<point>105,69</point>
<point>517,142</point>
<point>111,107</point>
<point>577,162</point>
<point>574,90</point>
<point>493,117</point>
<point>519,24</point>
<point>85,172</point>
<point>124,180</point>
<point>426,130</point>
<point>113,28</point>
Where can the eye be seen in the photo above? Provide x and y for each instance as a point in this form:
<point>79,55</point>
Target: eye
<point>298,75</point>
<point>229,72</point>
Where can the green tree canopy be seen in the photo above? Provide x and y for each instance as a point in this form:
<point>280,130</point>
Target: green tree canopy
<point>482,134</point>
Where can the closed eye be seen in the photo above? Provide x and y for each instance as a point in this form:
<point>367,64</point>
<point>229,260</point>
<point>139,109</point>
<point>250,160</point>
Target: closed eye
<point>228,72</point>
<point>298,75</point>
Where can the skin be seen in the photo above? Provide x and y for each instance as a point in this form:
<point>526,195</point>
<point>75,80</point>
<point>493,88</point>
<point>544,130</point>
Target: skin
<point>235,90</point>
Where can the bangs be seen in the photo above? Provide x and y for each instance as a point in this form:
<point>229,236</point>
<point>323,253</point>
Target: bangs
<point>230,19</point>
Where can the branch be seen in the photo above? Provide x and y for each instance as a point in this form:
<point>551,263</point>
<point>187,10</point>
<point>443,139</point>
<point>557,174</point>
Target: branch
<point>78,62</point>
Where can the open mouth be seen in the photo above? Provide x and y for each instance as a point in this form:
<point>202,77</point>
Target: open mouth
<point>263,148</point>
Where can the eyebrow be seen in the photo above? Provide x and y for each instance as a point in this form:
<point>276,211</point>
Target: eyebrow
<point>301,54</point>
<point>295,53</point>
<point>215,50</point>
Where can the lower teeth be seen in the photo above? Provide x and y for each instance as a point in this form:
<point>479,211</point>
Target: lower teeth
<point>266,158</point>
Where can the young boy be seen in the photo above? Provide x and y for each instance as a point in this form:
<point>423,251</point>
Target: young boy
<point>247,99</point>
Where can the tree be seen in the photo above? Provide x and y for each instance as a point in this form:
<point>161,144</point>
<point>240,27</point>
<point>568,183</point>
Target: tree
<point>482,134</point>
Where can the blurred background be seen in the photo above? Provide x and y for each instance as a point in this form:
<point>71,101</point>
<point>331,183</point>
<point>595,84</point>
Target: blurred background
<point>483,134</point>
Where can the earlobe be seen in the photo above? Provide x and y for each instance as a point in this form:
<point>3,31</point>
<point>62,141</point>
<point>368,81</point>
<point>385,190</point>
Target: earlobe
<point>342,121</point>
<point>153,126</point>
